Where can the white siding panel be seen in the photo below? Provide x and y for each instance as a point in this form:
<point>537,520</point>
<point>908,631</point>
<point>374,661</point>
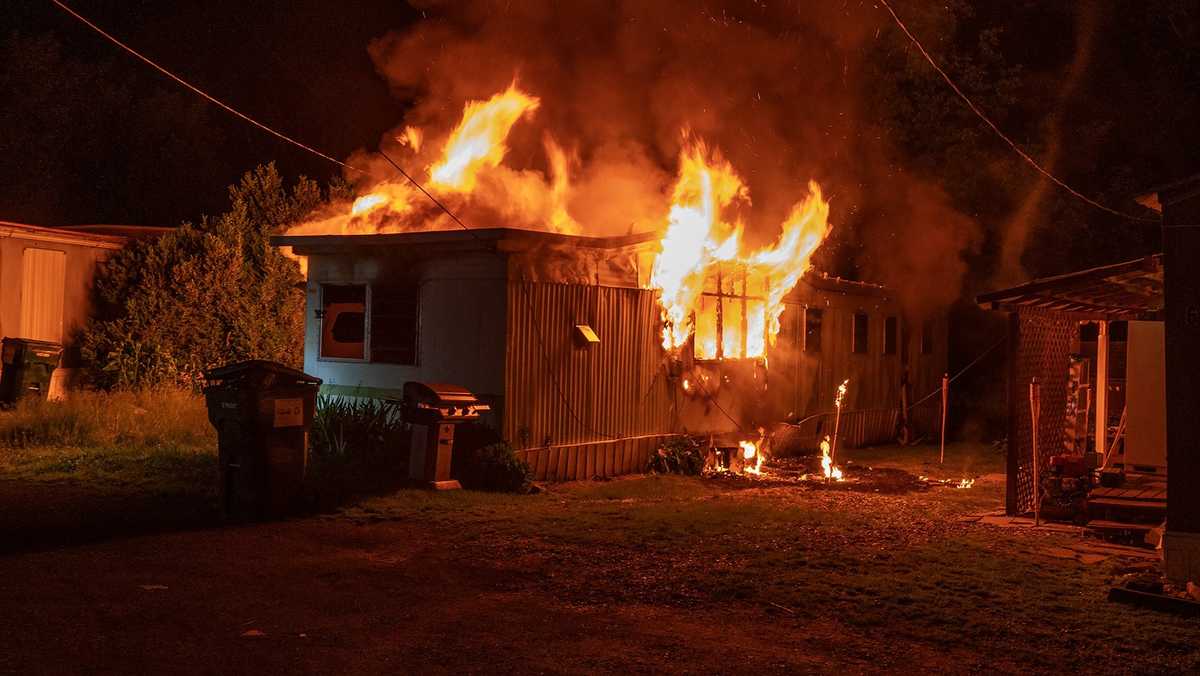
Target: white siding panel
<point>43,286</point>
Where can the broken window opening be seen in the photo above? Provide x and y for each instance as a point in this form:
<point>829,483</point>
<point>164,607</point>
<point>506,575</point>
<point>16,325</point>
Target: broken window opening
<point>343,321</point>
<point>731,320</point>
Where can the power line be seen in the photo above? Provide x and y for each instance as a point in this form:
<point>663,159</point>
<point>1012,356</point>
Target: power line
<point>966,368</point>
<point>201,92</point>
<point>987,120</point>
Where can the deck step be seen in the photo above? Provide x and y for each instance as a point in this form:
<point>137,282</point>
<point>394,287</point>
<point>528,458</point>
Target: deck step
<point>1105,524</point>
<point>1126,510</point>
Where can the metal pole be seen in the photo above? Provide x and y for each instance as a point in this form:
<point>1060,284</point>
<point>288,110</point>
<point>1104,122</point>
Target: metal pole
<point>945,407</point>
<point>837,418</point>
<point>1101,387</point>
<point>1035,410</point>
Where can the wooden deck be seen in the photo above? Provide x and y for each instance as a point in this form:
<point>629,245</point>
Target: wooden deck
<point>1141,499</point>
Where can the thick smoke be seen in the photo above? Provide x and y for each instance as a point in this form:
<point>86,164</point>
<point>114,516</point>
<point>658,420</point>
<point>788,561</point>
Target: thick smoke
<point>1015,234</point>
<point>776,88</point>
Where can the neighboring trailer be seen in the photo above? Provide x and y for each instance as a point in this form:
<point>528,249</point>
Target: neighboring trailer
<point>47,277</point>
<point>561,337</point>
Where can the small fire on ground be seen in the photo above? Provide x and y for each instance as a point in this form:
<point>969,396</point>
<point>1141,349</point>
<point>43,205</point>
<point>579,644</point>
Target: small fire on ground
<point>748,458</point>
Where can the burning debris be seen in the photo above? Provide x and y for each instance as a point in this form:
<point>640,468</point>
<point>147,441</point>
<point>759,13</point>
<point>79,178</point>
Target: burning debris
<point>743,457</point>
<point>828,469</point>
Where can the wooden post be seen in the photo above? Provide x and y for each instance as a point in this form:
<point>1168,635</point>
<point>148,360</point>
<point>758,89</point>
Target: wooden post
<point>1035,410</point>
<point>945,407</point>
<point>1180,205</point>
<point>1101,387</point>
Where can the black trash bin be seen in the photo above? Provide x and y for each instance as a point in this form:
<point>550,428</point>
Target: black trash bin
<point>28,367</point>
<point>263,412</point>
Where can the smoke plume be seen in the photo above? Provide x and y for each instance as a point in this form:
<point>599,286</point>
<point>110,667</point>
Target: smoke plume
<point>776,88</point>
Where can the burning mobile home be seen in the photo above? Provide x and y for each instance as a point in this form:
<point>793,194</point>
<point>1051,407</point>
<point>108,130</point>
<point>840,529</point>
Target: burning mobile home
<point>590,350</point>
<point>562,337</point>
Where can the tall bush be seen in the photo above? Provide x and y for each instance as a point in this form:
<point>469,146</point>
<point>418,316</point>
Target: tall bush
<point>204,294</point>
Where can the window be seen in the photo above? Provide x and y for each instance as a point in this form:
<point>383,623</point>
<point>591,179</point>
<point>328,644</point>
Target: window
<point>343,321</point>
<point>812,329</point>
<point>889,335</point>
<point>861,325</point>
<point>789,325</point>
<point>731,322</point>
<point>927,337</point>
<point>394,324</point>
<point>389,314</point>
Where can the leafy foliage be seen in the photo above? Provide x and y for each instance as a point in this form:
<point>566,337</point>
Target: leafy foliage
<point>679,455</point>
<point>493,467</point>
<point>352,430</point>
<point>203,294</point>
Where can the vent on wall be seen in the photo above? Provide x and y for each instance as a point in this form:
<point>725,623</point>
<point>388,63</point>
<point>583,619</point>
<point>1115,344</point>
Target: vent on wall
<point>585,335</point>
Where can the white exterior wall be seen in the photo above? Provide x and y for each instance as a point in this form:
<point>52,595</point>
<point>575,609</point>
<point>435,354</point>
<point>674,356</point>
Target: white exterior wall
<point>461,334</point>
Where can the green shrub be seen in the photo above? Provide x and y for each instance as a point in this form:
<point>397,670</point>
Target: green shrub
<point>204,294</point>
<point>678,455</point>
<point>358,432</point>
<point>492,467</point>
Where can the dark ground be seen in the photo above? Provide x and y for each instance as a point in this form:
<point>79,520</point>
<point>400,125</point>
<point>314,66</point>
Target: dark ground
<point>639,575</point>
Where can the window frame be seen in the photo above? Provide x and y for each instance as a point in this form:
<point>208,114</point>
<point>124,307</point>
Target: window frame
<point>366,358</point>
<point>820,314</point>
<point>865,333</point>
<point>892,322</point>
<point>925,347</point>
<point>416,360</point>
<point>745,298</point>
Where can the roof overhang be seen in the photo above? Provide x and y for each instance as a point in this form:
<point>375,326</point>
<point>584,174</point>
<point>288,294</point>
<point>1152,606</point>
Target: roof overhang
<point>1129,290</point>
<point>504,240</point>
<point>38,233</point>
<point>1172,192</point>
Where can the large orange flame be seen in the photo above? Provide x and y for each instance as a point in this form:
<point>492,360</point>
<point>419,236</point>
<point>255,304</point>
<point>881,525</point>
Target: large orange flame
<point>730,298</point>
<point>479,139</point>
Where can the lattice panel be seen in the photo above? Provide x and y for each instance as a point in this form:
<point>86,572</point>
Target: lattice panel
<point>1045,342</point>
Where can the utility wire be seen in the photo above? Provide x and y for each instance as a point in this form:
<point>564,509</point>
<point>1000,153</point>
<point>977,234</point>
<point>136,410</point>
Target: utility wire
<point>201,92</point>
<point>922,400</point>
<point>964,369</point>
<point>986,120</point>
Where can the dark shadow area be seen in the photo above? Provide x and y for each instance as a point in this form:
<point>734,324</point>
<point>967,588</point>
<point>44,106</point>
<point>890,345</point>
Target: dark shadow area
<point>37,516</point>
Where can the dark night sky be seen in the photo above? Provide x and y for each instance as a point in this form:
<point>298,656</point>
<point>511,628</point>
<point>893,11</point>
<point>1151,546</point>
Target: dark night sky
<point>300,66</point>
<point>303,67</point>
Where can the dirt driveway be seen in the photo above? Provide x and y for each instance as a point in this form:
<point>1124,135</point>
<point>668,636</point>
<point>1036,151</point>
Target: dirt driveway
<point>643,575</point>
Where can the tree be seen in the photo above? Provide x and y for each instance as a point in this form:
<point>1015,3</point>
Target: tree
<point>204,294</point>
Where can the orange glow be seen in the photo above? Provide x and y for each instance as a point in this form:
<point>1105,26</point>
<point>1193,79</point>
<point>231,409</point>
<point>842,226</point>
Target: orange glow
<point>729,298</point>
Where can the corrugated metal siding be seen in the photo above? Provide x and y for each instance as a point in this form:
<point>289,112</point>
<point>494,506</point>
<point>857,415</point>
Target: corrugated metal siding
<point>43,290</point>
<point>558,393</point>
<point>599,459</point>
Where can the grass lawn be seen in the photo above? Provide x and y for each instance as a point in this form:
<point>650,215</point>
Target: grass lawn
<point>157,441</point>
<point>650,573</point>
<point>871,571</point>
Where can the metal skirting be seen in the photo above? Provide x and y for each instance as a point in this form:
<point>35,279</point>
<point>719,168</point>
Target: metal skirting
<point>602,459</point>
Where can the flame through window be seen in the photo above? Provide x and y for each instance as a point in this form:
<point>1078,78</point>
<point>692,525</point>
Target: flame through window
<point>731,321</point>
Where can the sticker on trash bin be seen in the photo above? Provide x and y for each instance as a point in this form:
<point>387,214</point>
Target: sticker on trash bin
<point>289,412</point>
